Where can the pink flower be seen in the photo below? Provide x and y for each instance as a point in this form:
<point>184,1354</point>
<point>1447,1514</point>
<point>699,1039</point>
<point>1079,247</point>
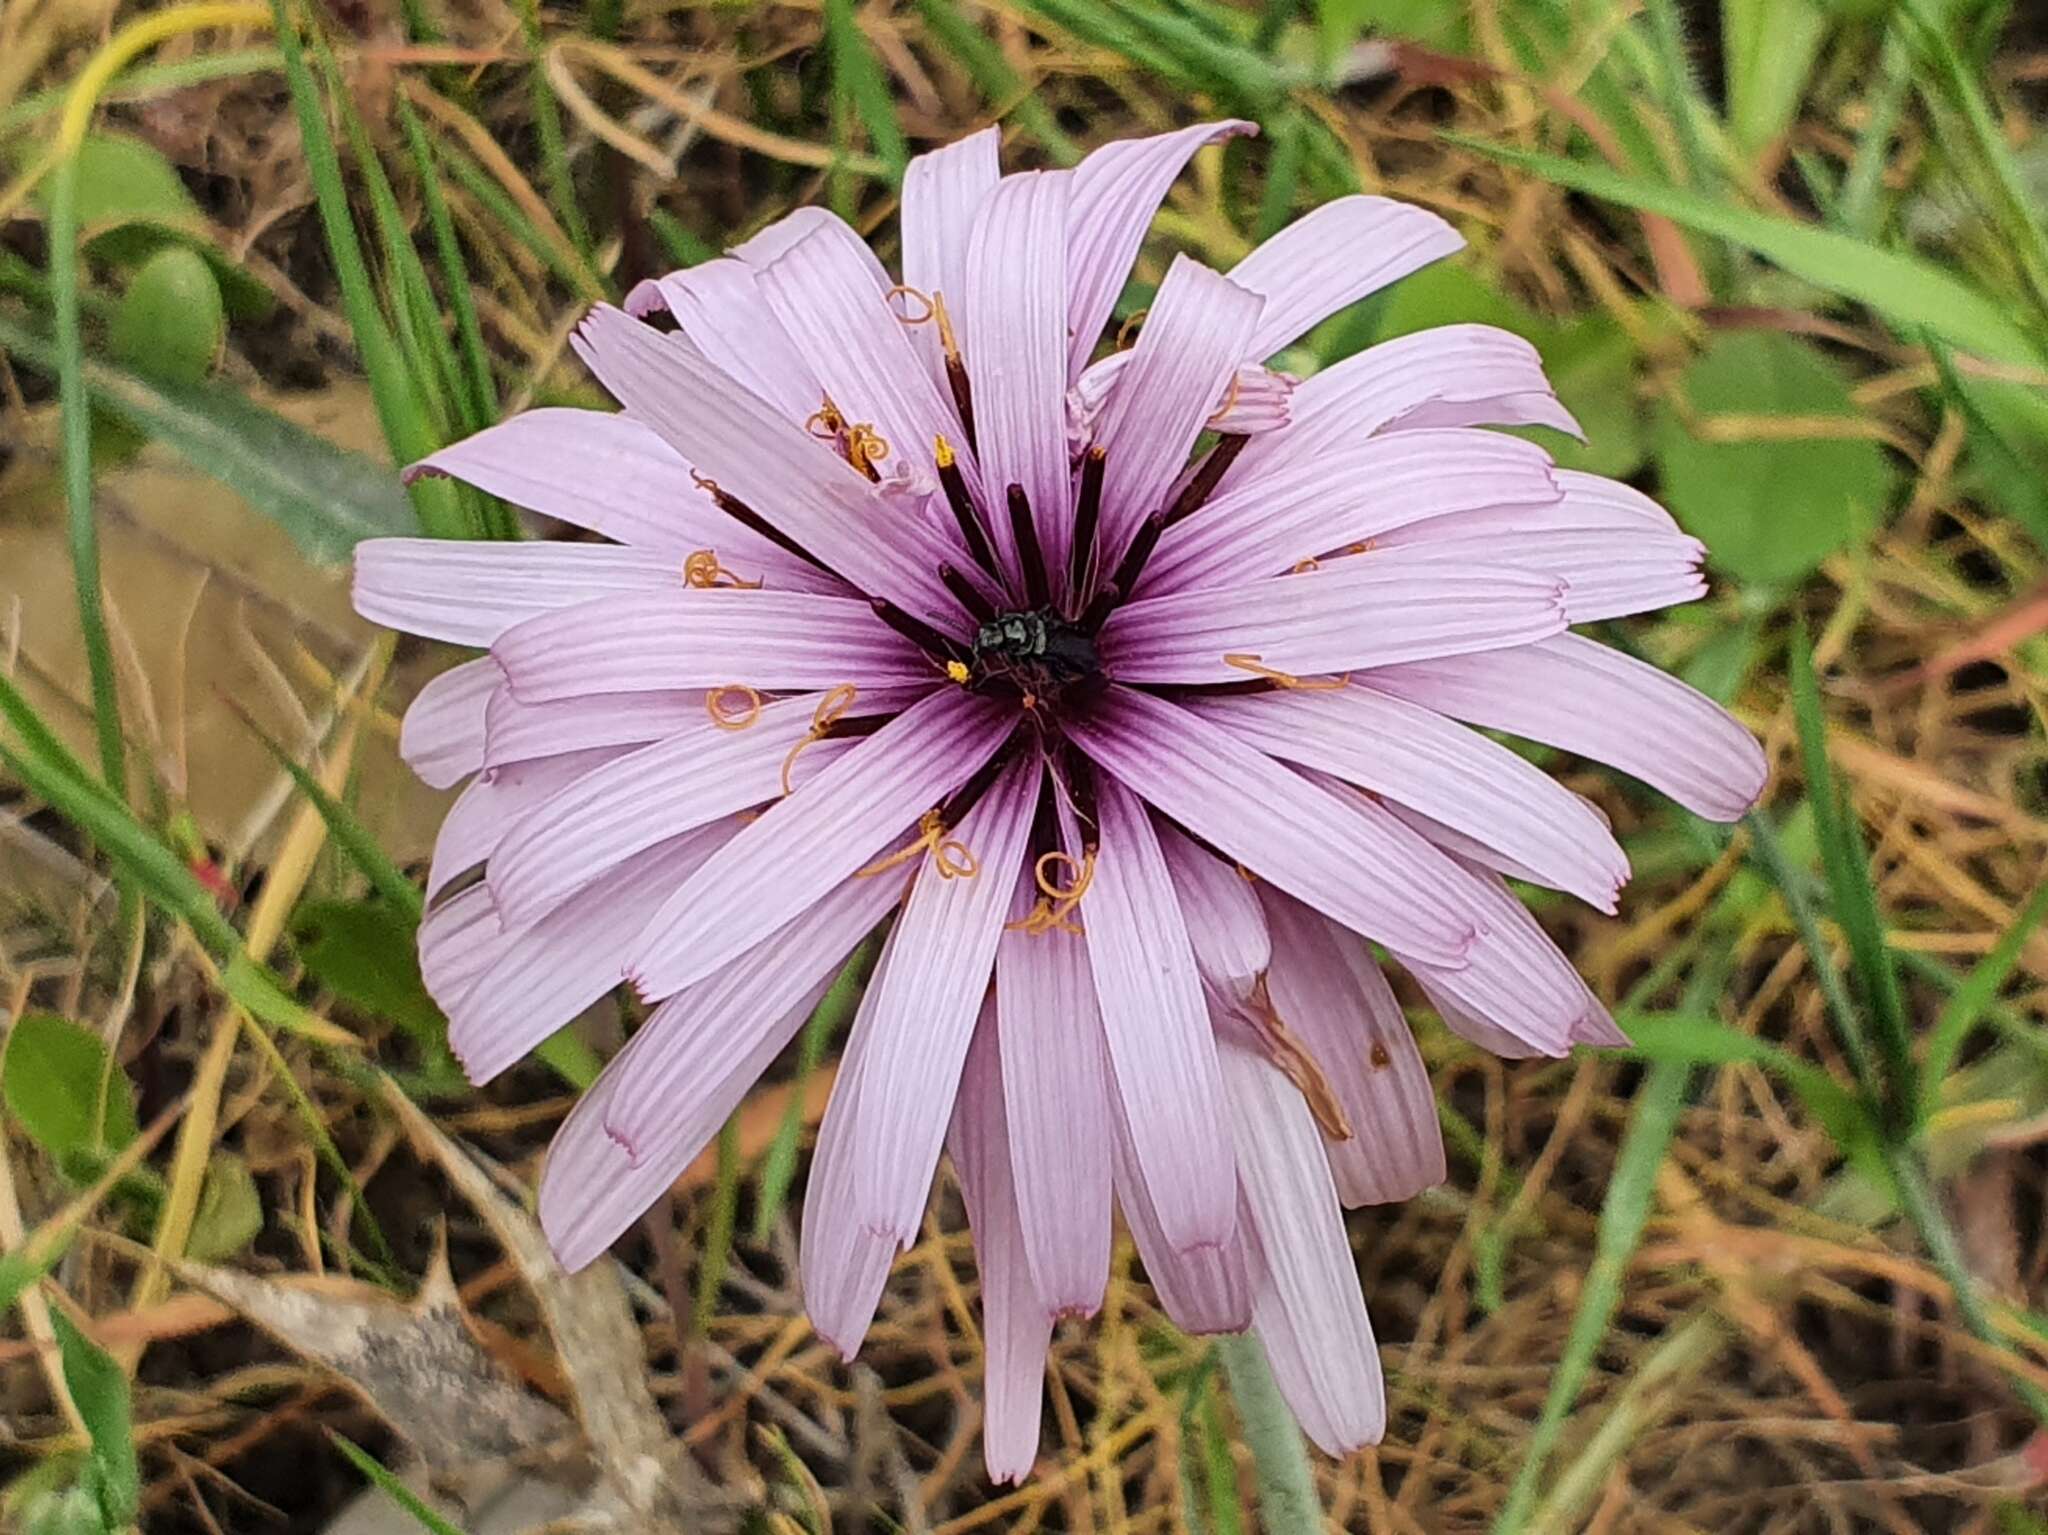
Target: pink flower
<point>908,611</point>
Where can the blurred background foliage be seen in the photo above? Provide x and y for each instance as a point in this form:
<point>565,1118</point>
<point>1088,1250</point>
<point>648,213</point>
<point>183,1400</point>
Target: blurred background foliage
<point>1779,1267</point>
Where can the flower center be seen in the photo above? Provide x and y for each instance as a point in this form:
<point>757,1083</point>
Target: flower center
<point>1039,654</point>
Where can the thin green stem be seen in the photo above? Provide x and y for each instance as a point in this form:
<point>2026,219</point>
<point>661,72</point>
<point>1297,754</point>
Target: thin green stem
<point>1288,1499</point>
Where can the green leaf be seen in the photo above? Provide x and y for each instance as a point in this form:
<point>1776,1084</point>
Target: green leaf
<point>170,322</point>
<point>121,178</point>
<point>1974,996</point>
<point>393,1488</point>
<point>1767,48</point>
<point>1593,365</point>
<point>1698,1040</point>
<point>1438,24</point>
<point>1769,510</point>
<point>100,1388</point>
<point>327,498</point>
<point>230,1210</point>
<point>1907,290</point>
<point>366,952</point>
<point>60,1083</point>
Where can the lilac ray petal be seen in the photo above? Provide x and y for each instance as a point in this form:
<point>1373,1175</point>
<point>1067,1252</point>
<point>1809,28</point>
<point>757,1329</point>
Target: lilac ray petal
<point>1117,190</point>
<point>1162,1054</point>
<point>1203,1289</point>
<point>1305,1279</point>
<point>1490,1037</point>
<point>515,731</point>
<point>861,352</point>
<point>1450,376</point>
<point>442,736</point>
<point>1580,696</point>
<point>842,1263</point>
<point>1330,992</point>
<point>1584,503</point>
<point>1016,1324</point>
<point>1012,314</point>
<point>1300,508</point>
<point>1375,610</point>
<point>1188,351</point>
<point>687,780</point>
<point>469,591</point>
<point>767,460</point>
<point>1598,1029</point>
<point>592,1187</point>
<point>1593,500</point>
<point>544,975</point>
<point>701,1050</point>
<point>1056,1086</point>
<point>802,224</point>
<point>771,641</point>
<point>942,192</point>
<point>1367,872</point>
<point>810,841</point>
<point>1455,775</point>
<point>925,1000</point>
<point>1333,257</point>
<point>609,473</point>
<point>1462,845</point>
<point>1255,399</point>
<point>493,804</point>
<point>719,305</point>
<point>1607,575</point>
<point>1224,921</point>
<point>457,939</point>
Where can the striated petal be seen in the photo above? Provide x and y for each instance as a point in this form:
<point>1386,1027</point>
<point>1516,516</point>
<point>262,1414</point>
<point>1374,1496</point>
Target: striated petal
<point>767,460</point>
<point>1298,508</point>
<point>805,844</point>
<point>687,638</point>
<point>443,733</point>
<point>922,1004</point>
<point>1454,775</point>
<point>1375,610</point>
<point>1055,1073</point>
<point>457,939</point>
<point>720,307</point>
<point>1204,1289</point>
<point>494,803</point>
<point>1161,1051</point>
<point>1328,989</point>
<point>690,779</point>
<point>538,978</point>
<point>1117,190</point>
<point>515,730</point>
<point>1306,1304</point>
<point>1606,574</point>
<point>1224,921</point>
<point>824,296</point>
<point>1254,399</point>
<point>700,1052</point>
<point>1451,376</point>
<point>943,190</point>
<point>1364,870</point>
<point>1335,256</point>
<point>1193,339</point>
<point>1580,696</point>
<point>1016,1324</point>
<point>842,1263</point>
<point>1014,337</point>
<point>802,224</point>
<point>470,591</point>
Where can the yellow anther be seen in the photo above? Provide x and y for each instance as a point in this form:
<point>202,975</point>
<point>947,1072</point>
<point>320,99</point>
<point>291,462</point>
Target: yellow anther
<point>1245,874</point>
<point>865,448</point>
<point>1365,547</point>
<point>1303,567</point>
<point>703,571</point>
<point>729,719</point>
<point>1128,331</point>
<point>1250,663</point>
<point>904,290</point>
<point>942,450</point>
<point>831,709</point>
<point>958,672</point>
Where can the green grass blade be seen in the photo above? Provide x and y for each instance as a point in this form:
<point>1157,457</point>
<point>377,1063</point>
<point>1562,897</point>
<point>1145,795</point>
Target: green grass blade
<point>547,122</point>
<point>392,1487</point>
<point>1288,1499</point>
<point>565,264</point>
<point>1904,288</point>
<point>1679,86</point>
<point>1859,213</point>
<point>77,458</point>
<point>482,395</point>
<point>717,1245</point>
<point>858,74</point>
<point>1659,1101</point>
<point>1964,1009</point>
<point>327,498</point>
<point>1846,864</point>
<point>1000,85</point>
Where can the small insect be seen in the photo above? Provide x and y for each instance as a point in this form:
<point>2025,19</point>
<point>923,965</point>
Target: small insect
<point>1038,653</point>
